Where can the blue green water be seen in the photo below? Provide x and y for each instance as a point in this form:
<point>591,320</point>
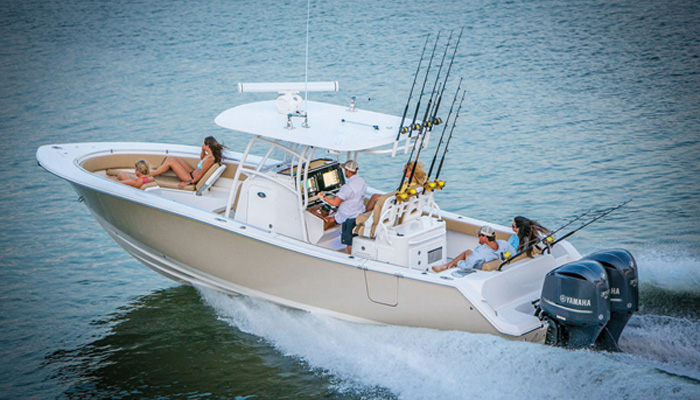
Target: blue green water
<point>570,105</point>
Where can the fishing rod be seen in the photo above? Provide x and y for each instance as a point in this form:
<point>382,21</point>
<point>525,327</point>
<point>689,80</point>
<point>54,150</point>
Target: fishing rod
<point>611,209</point>
<point>570,222</point>
<point>441,184</point>
<point>435,120</point>
<point>415,114</point>
<point>410,94</point>
<point>427,123</point>
<point>549,239</point>
<point>442,135</point>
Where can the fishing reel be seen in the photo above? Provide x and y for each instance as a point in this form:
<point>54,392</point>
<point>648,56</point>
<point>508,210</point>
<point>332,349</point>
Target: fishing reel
<point>548,241</point>
<point>405,195</point>
<point>432,186</point>
<point>410,128</point>
<point>433,122</point>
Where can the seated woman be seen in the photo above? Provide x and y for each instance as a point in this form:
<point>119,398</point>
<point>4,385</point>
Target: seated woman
<point>526,233</point>
<point>141,170</point>
<point>418,179</point>
<point>211,153</point>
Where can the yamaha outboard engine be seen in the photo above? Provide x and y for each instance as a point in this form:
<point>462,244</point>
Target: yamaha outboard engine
<point>575,303</point>
<point>624,293</point>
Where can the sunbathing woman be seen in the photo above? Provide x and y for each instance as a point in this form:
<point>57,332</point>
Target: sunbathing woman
<point>141,170</point>
<point>418,179</point>
<point>211,153</point>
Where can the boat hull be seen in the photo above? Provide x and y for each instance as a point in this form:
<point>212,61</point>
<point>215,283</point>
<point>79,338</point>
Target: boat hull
<point>227,256</point>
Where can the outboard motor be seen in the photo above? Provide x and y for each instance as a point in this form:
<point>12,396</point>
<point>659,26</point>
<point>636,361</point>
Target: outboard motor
<point>624,293</point>
<point>574,302</point>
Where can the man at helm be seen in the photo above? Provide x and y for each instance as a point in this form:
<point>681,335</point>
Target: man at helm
<point>350,202</point>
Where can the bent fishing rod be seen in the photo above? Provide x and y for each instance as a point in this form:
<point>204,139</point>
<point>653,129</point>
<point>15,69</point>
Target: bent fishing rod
<point>549,240</point>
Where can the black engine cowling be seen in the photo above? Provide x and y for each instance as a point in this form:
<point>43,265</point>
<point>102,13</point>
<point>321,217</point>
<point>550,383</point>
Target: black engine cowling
<point>575,302</point>
<point>624,293</point>
<point>588,302</point>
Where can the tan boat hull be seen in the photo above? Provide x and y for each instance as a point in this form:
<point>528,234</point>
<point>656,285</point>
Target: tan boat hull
<point>229,258</point>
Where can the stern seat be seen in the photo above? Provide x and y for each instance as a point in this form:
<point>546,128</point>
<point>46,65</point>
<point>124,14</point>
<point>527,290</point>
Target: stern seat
<point>171,181</point>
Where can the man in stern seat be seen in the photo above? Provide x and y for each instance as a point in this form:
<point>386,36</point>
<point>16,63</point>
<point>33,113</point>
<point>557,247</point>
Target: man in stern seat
<point>489,249</point>
<point>350,202</point>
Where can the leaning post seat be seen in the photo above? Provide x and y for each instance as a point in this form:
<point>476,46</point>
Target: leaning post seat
<point>413,207</point>
<point>366,224</point>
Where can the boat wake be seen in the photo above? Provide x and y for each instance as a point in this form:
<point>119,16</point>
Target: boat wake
<point>670,283</point>
<point>672,269</point>
<point>669,344</point>
<point>416,363</point>
<point>665,334</point>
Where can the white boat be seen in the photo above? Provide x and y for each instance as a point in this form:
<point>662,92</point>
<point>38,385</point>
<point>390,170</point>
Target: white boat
<point>251,226</point>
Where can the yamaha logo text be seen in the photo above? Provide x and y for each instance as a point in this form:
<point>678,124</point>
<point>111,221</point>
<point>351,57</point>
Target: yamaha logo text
<point>575,301</point>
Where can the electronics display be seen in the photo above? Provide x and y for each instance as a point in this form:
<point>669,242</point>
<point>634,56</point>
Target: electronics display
<point>324,176</point>
<point>331,178</point>
<point>311,186</point>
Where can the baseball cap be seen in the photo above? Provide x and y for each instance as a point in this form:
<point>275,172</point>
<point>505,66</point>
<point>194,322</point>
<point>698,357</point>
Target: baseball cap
<point>350,166</point>
<point>486,231</point>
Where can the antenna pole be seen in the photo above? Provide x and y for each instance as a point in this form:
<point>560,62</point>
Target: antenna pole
<point>306,61</point>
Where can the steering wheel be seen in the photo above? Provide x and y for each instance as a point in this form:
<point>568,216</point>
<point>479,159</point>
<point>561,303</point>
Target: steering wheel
<point>323,200</point>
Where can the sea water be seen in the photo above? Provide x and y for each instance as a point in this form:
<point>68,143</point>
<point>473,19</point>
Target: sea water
<point>570,106</point>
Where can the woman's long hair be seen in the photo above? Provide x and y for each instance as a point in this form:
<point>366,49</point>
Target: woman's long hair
<point>529,232</point>
<point>143,167</point>
<point>419,174</point>
<point>216,148</point>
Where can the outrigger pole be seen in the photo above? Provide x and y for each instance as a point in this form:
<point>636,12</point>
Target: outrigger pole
<point>549,239</point>
<point>410,95</point>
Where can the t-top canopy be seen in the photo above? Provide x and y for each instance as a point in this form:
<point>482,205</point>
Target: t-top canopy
<point>331,126</point>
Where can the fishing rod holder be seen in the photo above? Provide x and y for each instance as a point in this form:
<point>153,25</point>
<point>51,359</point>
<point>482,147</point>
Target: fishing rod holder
<point>304,124</point>
<point>353,99</point>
